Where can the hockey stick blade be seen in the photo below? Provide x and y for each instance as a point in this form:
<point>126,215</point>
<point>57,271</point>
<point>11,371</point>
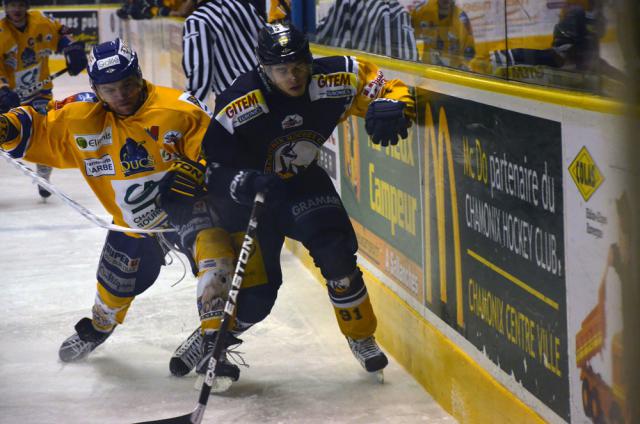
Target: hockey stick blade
<point>195,417</point>
<point>75,205</point>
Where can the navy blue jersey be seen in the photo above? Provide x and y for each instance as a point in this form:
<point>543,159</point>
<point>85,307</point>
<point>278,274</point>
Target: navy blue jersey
<point>257,127</point>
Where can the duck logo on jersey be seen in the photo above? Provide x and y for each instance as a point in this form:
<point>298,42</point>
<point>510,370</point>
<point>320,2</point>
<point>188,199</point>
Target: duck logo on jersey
<point>134,158</point>
<point>331,86</point>
<point>28,57</point>
<point>242,110</point>
<point>290,155</point>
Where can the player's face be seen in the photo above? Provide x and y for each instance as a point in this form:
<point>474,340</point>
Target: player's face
<point>16,12</point>
<point>290,78</point>
<point>124,96</point>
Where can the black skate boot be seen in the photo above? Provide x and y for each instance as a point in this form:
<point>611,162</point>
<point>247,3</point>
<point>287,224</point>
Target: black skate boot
<point>82,342</point>
<point>368,353</point>
<point>186,356</point>
<point>44,172</point>
<point>225,372</point>
<point>43,192</point>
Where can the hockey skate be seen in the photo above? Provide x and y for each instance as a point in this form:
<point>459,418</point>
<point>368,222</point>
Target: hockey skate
<point>82,342</point>
<point>368,353</point>
<point>186,356</point>
<point>226,373</point>
<point>44,172</point>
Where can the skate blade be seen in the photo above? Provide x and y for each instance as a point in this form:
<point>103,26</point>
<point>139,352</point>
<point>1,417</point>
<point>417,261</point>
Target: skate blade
<point>219,385</point>
<point>379,376</point>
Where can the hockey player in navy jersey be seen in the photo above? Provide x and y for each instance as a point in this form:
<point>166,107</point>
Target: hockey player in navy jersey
<point>268,129</point>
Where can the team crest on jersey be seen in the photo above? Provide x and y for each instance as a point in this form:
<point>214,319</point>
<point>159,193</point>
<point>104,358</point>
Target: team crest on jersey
<point>97,167</point>
<point>171,137</point>
<point>92,142</point>
<point>134,158</point>
<point>28,58</point>
<point>290,155</point>
<point>242,110</point>
<point>331,86</point>
<point>292,121</point>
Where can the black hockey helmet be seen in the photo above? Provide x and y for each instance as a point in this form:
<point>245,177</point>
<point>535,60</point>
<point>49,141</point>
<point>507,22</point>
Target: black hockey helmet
<point>282,43</point>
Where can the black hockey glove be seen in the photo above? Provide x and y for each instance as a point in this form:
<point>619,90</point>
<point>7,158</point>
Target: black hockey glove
<point>246,184</point>
<point>180,189</point>
<point>141,9</point>
<point>385,121</point>
<point>75,57</point>
<point>8,99</point>
<point>7,131</point>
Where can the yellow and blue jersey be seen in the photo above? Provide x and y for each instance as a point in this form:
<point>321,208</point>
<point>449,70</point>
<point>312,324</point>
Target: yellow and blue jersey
<point>121,158</point>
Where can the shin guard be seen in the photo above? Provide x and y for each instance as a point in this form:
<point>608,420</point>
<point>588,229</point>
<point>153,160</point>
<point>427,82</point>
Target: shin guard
<point>352,306</point>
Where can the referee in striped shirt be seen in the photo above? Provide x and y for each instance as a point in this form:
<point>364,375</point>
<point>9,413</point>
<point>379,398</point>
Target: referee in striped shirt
<point>374,26</point>
<point>218,42</point>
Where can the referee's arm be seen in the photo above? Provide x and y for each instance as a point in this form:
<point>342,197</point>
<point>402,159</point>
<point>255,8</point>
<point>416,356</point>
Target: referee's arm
<point>197,45</point>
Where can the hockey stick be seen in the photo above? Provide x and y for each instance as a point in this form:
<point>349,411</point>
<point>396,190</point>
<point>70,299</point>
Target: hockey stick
<point>24,94</point>
<point>75,205</point>
<point>195,417</point>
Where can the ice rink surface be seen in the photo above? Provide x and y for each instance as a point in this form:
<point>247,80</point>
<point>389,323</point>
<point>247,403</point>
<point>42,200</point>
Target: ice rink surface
<point>301,369</point>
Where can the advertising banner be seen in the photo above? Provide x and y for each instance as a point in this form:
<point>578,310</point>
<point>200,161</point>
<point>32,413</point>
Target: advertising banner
<point>381,190</point>
<point>494,237</point>
<point>82,23</point>
<point>601,271</point>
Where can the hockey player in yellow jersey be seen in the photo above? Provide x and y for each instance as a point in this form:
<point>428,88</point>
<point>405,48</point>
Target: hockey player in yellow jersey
<point>128,139</point>
<point>27,39</point>
<point>445,32</point>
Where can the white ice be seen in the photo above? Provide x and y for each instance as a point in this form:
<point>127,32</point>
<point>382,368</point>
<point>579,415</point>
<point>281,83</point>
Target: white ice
<point>301,370</point>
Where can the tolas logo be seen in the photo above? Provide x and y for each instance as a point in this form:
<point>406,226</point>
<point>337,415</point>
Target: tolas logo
<point>134,158</point>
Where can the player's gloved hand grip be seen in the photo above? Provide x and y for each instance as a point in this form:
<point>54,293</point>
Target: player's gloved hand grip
<point>247,183</point>
<point>8,99</point>
<point>385,121</point>
<point>180,189</point>
<point>75,57</point>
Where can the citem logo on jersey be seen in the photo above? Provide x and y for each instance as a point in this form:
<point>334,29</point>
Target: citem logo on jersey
<point>242,110</point>
<point>336,85</point>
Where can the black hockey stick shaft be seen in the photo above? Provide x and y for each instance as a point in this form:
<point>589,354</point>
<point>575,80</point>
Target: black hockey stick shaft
<point>195,417</point>
<point>24,94</point>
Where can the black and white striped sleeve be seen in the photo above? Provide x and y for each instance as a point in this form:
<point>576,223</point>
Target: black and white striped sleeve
<point>219,41</point>
<point>196,60</point>
<point>402,35</point>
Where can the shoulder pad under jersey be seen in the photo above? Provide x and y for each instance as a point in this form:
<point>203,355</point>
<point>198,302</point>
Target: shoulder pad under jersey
<point>87,97</point>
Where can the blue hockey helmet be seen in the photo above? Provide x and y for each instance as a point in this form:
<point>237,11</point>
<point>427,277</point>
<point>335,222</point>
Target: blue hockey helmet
<point>282,43</point>
<point>112,61</point>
